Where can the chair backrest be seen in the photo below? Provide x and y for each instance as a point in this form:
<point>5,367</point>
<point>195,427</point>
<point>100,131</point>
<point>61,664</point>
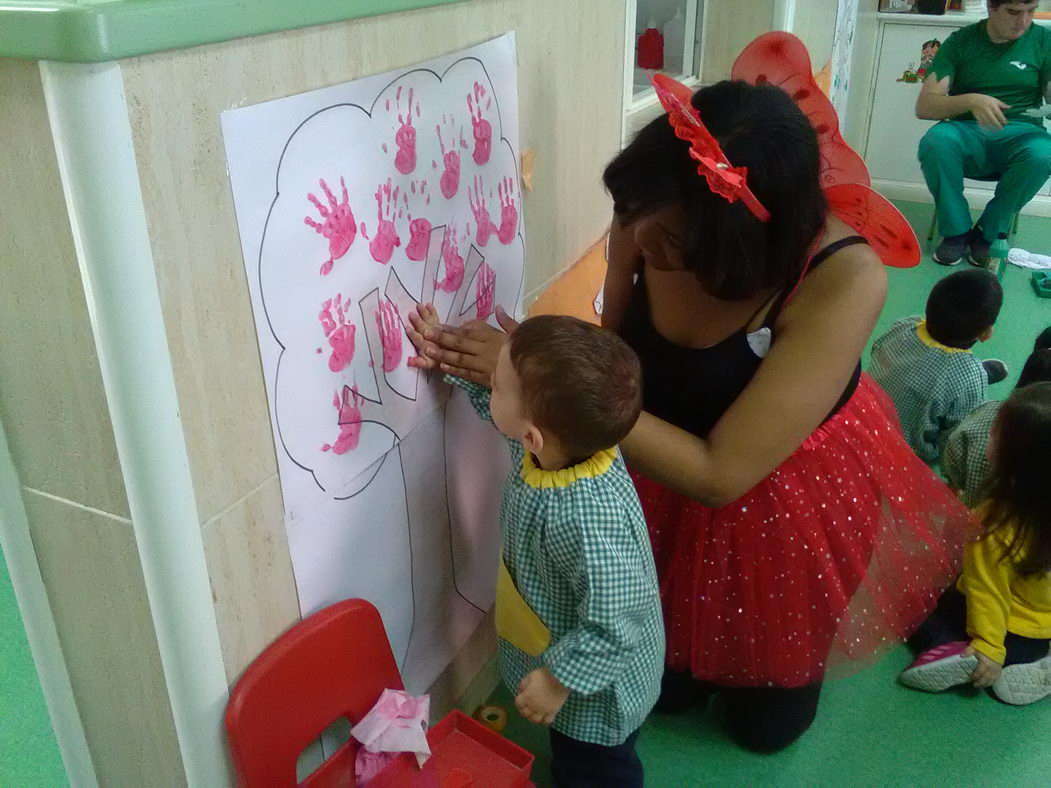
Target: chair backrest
<point>333,664</point>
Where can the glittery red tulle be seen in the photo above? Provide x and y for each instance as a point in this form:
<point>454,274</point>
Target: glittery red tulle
<point>839,553</point>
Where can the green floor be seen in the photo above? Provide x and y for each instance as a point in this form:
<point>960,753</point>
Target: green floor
<point>28,752</point>
<point>870,730</point>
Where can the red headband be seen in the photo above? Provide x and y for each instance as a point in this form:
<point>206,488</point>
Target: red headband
<point>723,178</point>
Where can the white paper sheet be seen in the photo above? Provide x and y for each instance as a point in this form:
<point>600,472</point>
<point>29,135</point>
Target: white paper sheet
<point>353,202</point>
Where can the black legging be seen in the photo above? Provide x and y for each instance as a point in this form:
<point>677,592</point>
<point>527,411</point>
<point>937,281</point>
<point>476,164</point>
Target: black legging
<point>762,719</point>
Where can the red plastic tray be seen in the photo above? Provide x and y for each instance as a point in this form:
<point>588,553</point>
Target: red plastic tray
<point>464,754</point>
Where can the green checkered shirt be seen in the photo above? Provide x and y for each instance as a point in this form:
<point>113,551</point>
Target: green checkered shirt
<point>933,386</point>
<point>964,461</point>
<point>579,554</point>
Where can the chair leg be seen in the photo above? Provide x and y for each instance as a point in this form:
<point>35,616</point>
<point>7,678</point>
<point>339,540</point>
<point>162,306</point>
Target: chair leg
<point>1014,226</point>
<point>934,225</point>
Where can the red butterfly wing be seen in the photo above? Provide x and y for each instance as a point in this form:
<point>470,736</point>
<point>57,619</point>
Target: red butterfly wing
<point>881,224</point>
<point>782,59</point>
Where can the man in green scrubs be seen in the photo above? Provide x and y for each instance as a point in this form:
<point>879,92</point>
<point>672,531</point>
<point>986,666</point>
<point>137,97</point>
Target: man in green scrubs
<point>980,85</point>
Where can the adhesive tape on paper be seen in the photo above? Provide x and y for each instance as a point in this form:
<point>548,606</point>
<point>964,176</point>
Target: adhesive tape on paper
<point>493,717</point>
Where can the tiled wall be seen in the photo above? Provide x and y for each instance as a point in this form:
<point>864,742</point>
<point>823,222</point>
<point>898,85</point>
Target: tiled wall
<point>53,408</point>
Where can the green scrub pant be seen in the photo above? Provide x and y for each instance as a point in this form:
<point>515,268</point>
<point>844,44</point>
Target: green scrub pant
<point>1019,155</point>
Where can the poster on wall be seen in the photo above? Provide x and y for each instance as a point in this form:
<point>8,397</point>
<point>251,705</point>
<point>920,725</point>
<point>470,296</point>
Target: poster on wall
<point>842,55</point>
<point>353,203</point>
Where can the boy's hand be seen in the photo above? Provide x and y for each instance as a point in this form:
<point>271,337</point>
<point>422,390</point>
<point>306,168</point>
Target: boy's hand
<point>423,318</point>
<point>540,697</point>
<point>988,670</point>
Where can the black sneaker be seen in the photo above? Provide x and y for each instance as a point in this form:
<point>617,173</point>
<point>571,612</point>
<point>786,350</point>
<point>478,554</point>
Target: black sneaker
<point>952,249</point>
<point>995,370</point>
<point>979,256</point>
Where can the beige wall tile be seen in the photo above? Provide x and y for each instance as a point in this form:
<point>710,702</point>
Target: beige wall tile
<point>52,404</point>
<point>251,573</point>
<point>571,65</point>
<point>90,566</point>
<point>728,31</point>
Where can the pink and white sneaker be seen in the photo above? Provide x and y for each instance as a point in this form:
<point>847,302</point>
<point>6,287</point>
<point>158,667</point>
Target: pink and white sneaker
<point>1021,685</point>
<point>939,668</point>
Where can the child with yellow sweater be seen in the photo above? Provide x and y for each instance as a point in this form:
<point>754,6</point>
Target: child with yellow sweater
<point>994,628</point>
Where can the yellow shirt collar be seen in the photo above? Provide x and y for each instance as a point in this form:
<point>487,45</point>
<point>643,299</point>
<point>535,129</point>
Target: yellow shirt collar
<point>929,341</point>
<point>596,465</point>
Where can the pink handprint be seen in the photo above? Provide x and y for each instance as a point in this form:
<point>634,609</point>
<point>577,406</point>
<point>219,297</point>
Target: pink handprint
<point>483,130</point>
<point>485,291</point>
<point>391,331</point>
<point>349,409</point>
<point>476,199</point>
<point>405,138</point>
<point>453,262</point>
<point>338,225</point>
<point>339,330</point>
<point>419,228</point>
<point>386,238</point>
<point>508,211</point>
<point>450,179</point>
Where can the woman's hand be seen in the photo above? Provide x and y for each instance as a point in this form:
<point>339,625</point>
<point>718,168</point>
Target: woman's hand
<point>469,351</point>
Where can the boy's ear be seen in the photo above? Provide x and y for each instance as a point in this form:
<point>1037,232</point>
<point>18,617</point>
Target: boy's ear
<point>533,440</point>
<point>986,335</point>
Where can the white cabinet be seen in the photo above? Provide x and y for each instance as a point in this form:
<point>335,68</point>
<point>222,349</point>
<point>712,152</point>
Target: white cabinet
<point>894,130</point>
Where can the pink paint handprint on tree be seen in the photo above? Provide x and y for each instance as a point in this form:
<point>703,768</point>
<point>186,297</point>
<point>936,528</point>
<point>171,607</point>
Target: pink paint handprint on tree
<point>349,420</point>
<point>508,211</point>
<point>450,178</point>
<point>476,199</point>
<point>420,227</point>
<point>391,331</point>
<point>453,262</point>
<point>338,225</point>
<point>386,239</point>
<point>339,331</point>
<point>485,291</point>
<point>483,130</point>
<point>405,137</point>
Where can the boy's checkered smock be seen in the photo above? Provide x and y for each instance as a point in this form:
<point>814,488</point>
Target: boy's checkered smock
<point>933,386</point>
<point>964,461</point>
<point>576,547</point>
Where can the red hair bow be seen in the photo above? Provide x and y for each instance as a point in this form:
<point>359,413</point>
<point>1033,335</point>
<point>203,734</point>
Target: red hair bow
<point>723,178</point>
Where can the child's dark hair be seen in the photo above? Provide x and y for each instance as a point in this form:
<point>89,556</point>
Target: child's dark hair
<point>1037,369</point>
<point>579,381</point>
<point>732,253</point>
<point>1043,340</point>
<point>1017,485</point>
<point>962,306</point>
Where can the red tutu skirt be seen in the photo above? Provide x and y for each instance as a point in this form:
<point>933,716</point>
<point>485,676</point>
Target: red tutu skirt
<point>838,554</point>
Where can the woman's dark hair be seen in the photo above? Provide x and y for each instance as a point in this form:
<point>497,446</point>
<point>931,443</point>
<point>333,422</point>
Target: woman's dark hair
<point>1043,340</point>
<point>1018,503</point>
<point>732,253</point>
<point>1037,369</point>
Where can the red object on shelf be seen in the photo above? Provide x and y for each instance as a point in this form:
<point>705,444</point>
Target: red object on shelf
<point>464,752</point>
<point>651,49</point>
<point>333,664</point>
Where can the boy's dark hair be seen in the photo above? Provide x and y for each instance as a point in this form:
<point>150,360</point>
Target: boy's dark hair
<point>579,381</point>
<point>962,306</point>
<point>1037,369</point>
<point>1017,487</point>
<point>998,3</point>
<point>731,252</point>
<point>1043,340</point>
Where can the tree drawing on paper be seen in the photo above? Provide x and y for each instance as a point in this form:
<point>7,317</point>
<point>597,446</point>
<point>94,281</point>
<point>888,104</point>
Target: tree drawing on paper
<point>423,236</point>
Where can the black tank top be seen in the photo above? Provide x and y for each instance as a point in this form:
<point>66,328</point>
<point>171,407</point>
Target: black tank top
<point>693,387</point>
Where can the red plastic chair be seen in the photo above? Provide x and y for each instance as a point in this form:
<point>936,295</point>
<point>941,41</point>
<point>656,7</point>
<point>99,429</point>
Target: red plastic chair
<point>333,664</point>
